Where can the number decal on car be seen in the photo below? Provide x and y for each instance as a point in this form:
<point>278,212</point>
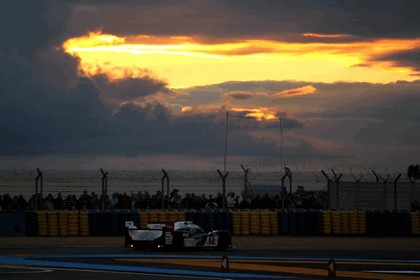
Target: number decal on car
<point>212,241</point>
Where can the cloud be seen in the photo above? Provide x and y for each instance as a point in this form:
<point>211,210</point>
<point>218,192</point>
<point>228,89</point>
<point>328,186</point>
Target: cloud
<point>23,30</point>
<point>241,95</point>
<point>48,111</point>
<point>408,58</point>
<point>297,91</point>
<point>138,91</point>
<point>215,20</point>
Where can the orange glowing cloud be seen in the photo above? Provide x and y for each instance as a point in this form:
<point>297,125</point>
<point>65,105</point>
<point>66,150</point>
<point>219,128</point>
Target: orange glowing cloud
<point>187,61</point>
<point>328,36</point>
<point>305,90</point>
<point>256,113</point>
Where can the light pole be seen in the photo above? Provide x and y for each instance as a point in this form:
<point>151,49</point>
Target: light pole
<point>281,147</point>
<point>242,117</point>
<point>282,165</point>
<point>226,141</point>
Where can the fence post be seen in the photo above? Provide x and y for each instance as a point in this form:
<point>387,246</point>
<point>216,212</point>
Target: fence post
<point>395,190</point>
<point>38,195</point>
<point>336,180</point>
<point>384,181</point>
<point>165,176</point>
<point>246,182</point>
<point>104,189</point>
<point>289,174</point>
<point>223,176</point>
<point>328,188</point>
<point>357,189</point>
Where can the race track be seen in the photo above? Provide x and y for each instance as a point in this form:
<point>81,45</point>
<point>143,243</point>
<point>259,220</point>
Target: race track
<point>248,260</point>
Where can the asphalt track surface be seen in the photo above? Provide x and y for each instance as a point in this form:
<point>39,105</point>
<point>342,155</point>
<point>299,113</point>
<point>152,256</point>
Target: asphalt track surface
<point>251,258</point>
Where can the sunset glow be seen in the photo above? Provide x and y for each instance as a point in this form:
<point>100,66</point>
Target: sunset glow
<point>185,62</point>
<point>146,85</point>
<point>256,113</point>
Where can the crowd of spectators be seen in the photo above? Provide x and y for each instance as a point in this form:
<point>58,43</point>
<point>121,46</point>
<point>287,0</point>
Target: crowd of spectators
<point>144,200</point>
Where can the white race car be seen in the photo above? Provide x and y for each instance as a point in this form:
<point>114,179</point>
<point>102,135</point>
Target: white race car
<point>178,235</point>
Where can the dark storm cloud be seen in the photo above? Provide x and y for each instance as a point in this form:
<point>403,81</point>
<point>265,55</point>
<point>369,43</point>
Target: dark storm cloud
<point>271,19</point>
<point>410,58</point>
<point>129,89</point>
<point>375,18</point>
<point>47,109</point>
<point>22,27</point>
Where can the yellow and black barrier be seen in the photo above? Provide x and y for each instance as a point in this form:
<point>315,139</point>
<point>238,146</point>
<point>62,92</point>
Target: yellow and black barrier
<point>245,222</point>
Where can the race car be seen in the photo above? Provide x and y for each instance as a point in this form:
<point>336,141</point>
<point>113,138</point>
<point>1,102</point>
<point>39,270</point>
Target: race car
<point>175,235</point>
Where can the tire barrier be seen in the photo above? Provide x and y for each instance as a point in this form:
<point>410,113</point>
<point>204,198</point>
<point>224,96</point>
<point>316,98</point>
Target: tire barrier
<point>42,223</point>
<point>254,222</point>
<point>353,223</point>
<point>143,220</point>
<point>274,223</point>
<point>93,223</point>
<point>361,216</point>
<point>84,223</point>
<point>300,215</point>
<point>291,222</point>
<point>63,227</point>
<point>13,224</point>
<point>114,218</point>
<point>415,223</point>
<point>181,216</point>
<point>236,223</point>
<point>245,223</point>
<point>388,223</point>
<point>393,223</point>
<point>73,223</point>
<point>52,221</point>
<point>173,216</point>
<point>153,216</point>
<point>313,222</point>
<point>31,224</point>
<point>345,222</point>
<point>104,223</point>
<point>336,222</point>
<point>283,222</point>
<point>163,216</point>
<point>326,222</point>
<point>265,228</point>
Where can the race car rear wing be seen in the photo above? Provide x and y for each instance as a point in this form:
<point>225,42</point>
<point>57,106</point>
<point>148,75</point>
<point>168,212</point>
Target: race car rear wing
<point>168,226</point>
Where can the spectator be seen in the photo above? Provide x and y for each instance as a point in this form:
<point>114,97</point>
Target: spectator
<point>22,203</point>
<point>58,202</point>
<point>175,199</point>
<point>49,203</point>
<point>187,202</point>
<point>203,200</point>
<point>112,200</point>
<point>211,203</point>
<point>230,201</point>
<point>245,202</point>
<point>94,202</point>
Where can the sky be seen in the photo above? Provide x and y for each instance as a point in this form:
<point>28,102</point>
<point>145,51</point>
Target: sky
<point>153,84</point>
